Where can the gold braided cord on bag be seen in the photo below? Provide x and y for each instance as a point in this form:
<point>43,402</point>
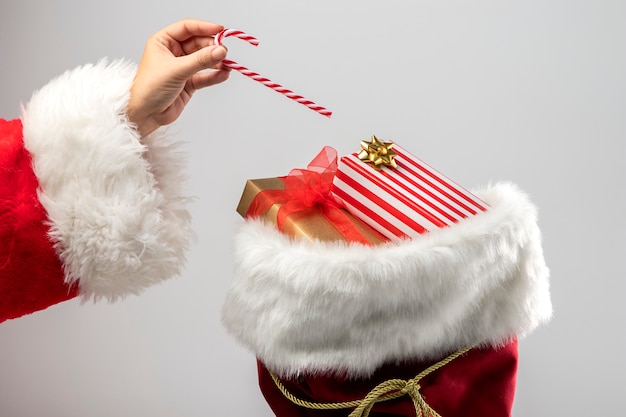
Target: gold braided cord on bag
<point>387,390</point>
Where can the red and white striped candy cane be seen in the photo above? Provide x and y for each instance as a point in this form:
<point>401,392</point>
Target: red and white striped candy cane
<point>257,77</point>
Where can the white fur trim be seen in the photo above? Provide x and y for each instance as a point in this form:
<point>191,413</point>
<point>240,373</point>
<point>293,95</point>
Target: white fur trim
<point>310,307</point>
<point>118,219</point>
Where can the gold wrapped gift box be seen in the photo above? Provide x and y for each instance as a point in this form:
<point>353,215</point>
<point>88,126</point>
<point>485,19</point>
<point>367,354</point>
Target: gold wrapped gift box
<point>311,223</point>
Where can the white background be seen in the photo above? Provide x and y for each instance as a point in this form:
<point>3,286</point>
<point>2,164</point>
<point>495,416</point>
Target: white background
<point>528,91</point>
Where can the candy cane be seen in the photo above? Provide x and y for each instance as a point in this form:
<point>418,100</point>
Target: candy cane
<point>257,77</point>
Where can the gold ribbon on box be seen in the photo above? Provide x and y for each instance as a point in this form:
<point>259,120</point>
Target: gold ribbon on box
<point>378,153</point>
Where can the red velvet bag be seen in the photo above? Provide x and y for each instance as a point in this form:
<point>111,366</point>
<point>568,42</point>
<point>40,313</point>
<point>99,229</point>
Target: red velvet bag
<point>330,321</point>
<point>478,383</point>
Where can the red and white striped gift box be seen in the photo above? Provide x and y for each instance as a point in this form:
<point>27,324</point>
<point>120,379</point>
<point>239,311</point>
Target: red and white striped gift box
<point>405,201</point>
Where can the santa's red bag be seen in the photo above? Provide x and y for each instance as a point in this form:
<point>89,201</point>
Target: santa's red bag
<point>423,325</point>
<point>478,383</point>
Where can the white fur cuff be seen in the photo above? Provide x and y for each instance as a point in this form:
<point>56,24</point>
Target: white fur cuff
<point>118,219</point>
<point>310,307</point>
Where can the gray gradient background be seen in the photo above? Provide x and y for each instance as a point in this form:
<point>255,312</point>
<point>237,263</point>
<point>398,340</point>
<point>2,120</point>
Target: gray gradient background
<point>528,91</point>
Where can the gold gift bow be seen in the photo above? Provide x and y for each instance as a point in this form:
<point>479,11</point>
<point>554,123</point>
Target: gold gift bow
<point>387,390</point>
<point>378,153</point>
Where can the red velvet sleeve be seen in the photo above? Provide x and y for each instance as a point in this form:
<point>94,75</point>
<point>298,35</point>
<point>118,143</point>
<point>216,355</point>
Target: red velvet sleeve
<point>31,274</point>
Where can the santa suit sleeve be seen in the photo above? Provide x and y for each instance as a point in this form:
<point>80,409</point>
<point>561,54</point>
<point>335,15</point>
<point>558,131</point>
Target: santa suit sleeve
<point>86,208</point>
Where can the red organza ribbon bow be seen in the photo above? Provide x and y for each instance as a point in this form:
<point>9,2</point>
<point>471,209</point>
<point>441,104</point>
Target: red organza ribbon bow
<point>306,188</point>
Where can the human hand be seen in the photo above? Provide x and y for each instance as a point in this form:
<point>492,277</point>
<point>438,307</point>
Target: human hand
<point>171,70</point>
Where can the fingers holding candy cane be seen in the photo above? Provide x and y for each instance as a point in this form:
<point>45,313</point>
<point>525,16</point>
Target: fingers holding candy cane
<point>261,79</point>
<point>171,70</point>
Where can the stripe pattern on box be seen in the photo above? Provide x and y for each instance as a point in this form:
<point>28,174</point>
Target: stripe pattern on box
<point>405,201</point>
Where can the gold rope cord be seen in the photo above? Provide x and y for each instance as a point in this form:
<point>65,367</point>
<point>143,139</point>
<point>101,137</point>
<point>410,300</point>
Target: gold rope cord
<point>387,390</point>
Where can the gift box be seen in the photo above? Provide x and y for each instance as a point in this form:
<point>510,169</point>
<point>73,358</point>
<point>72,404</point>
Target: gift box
<point>309,222</point>
<point>301,204</point>
<point>402,197</point>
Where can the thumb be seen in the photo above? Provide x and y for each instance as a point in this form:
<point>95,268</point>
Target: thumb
<point>203,59</point>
